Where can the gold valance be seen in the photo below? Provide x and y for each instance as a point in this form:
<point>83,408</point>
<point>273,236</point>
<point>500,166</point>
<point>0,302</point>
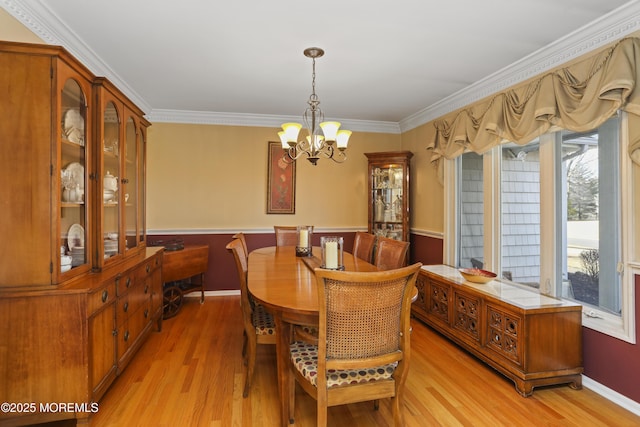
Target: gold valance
<point>579,97</point>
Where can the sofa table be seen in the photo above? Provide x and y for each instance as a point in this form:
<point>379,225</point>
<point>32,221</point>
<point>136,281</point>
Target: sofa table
<point>533,339</point>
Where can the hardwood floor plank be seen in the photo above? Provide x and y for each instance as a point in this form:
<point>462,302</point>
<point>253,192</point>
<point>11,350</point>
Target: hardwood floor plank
<point>191,374</point>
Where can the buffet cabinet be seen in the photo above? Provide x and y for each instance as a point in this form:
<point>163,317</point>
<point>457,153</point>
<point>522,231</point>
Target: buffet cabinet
<point>389,194</point>
<point>79,289</point>
<point>533,339</point>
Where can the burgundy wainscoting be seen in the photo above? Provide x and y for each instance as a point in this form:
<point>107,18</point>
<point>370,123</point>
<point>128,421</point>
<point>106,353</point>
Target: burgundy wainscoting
<point>221,274</point>
<point>613,362</point>
<point>425,249</point>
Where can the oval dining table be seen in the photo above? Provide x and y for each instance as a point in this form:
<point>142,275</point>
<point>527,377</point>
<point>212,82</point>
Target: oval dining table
<point>286,286</point>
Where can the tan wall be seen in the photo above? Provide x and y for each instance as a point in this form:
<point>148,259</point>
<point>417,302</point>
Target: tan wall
<point>215,177</point>
<point>427,193</point>
<point>12,30</point>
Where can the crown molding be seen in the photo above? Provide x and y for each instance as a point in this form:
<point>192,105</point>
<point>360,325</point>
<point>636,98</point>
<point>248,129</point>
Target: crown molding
<point>613,26</point>
<point>608,28</point>
<point>261,120</point>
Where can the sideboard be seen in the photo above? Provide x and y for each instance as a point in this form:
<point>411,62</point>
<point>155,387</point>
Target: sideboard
<point>533,339</point>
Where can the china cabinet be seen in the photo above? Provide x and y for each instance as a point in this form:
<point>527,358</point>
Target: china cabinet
<point>79,289</point>
<point>389,194</point>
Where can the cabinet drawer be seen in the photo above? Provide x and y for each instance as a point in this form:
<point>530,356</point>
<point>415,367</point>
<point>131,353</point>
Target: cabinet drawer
<point>139,320</point>
<point>101,297</point>
<point>124,282</point>
<point>140,294</point>
<point>148,267</point>
<point>137,296</point>
<point>129,330</point>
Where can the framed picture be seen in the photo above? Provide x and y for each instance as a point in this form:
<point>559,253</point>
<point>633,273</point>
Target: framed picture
<point>281,182</point>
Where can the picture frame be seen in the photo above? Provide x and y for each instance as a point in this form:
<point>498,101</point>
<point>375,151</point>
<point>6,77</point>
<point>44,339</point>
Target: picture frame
<point>281,181</point>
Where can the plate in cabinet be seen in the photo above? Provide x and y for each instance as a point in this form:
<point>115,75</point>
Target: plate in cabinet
<point>75,237</point>
<point>73,126</point>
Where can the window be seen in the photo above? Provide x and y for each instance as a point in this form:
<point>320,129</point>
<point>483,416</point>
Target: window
<point>548,215</point>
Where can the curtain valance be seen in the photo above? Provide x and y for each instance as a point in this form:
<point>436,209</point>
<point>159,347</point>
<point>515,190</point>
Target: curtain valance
<point>579,97</point>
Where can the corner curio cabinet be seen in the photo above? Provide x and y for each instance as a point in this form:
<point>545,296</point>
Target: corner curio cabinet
<point>79,289</point>
<point>389,194</point>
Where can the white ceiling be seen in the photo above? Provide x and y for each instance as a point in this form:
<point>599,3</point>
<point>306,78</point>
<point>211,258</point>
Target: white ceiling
<point>387,64</point>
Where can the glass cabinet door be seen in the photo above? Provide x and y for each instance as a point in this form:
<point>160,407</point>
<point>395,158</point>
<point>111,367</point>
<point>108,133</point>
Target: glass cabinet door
<point>388,207</point>
<point>142,184</point>
<point>110,181</point>
<point>74,209</point>
<point>130,184</point>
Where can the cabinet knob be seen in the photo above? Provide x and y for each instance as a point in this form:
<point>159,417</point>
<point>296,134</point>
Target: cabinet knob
<point>128,283</point>
<point>148,268</point>
<point>146,313</point>
<point>146,289</point>
<point>126,336</point>
<point>105,295</point>
<point>126,306</point>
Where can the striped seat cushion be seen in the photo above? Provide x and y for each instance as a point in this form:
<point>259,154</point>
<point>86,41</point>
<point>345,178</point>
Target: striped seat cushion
<point>305,359</point>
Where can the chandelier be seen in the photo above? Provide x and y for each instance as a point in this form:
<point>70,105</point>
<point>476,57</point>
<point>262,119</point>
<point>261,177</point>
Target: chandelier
<point>331,143</point>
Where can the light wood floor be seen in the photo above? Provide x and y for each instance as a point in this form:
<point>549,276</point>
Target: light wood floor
<point>191,374</point>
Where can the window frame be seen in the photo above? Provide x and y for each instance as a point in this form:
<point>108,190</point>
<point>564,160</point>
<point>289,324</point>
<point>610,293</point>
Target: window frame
<point>621,327</point>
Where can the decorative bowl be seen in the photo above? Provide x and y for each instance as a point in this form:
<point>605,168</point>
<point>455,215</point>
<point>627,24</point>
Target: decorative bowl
<point>477,275</point>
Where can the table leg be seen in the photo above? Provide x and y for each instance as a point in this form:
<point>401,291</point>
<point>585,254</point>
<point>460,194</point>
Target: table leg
<point>285,379</point>
<point>201,288</point>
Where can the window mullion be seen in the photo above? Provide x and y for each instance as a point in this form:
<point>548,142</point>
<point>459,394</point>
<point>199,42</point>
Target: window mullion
<point>492,202</point>
<point>550,215</point>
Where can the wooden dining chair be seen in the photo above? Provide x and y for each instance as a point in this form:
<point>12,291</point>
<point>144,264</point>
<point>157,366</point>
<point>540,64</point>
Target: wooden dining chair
<point>363,348</point>
<point>286,235</point>
<point>390,253</point>
<point>244,243</point>
<point>259,326</point>
<point>363,245</point>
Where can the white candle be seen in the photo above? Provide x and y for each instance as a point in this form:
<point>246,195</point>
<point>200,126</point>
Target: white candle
<point>303,241</point>
<point>331,255</point>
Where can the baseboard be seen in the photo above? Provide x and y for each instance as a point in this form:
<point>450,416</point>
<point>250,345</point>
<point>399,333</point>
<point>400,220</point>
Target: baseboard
<point>612,395</point>
<point>224,293</point>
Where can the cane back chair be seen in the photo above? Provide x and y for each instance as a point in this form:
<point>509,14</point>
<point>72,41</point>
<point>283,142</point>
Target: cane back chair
<point>363,348</point>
